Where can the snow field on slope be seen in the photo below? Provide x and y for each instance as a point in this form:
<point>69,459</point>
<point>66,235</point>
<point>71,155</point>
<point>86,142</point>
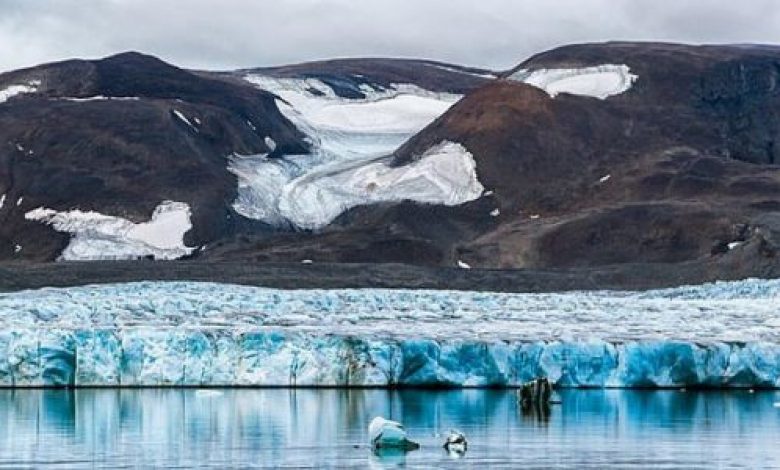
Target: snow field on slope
<point>95,236</point>
<point>600,82</point>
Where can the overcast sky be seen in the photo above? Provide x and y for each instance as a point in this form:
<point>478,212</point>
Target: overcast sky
<point>223,34</point>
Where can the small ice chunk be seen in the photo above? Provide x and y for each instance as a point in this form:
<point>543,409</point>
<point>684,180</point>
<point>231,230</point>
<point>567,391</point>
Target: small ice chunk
<point>270,143</point>
<point>384,433</point>
<point>17,248</point>
<point>495,212</point>
<point>777,404</point>
<point>463,265</point>
<point>604,179</point>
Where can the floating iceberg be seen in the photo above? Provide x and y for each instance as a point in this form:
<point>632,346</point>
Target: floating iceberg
<point>386,434</point>
<point>195,334</point>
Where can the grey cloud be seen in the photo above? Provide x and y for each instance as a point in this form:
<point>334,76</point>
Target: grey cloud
<point>242,33</point>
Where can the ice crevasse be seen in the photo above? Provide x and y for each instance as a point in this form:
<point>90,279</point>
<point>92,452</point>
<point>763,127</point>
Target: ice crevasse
<point>175,334</point>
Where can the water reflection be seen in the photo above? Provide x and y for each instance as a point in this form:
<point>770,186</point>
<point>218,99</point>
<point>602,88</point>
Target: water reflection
<point>327,428</point>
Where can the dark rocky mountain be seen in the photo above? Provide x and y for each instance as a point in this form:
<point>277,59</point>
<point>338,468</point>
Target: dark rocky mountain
<point>677,173</point>
<point>107,136</point>
<point>119,135</point>
<point>679,170</point>
<point>345,76</point>
<point>682,167</point>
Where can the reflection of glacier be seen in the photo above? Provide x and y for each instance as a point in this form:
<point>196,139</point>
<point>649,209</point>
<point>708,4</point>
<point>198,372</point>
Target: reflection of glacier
<point>724,334</point>
<point>327,429</point>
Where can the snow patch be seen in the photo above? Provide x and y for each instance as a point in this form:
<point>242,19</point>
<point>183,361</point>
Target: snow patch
<point>463,265</point>
<point>2,201</point>
<point>14,90</point>
<point>495,212</point>
<point>19,201</point>
<point>600,82</point>
<point>87,99</point>
<point>184,119</point>
<point>270,143</point>
<point>103,237</point>
<point>604,179</point>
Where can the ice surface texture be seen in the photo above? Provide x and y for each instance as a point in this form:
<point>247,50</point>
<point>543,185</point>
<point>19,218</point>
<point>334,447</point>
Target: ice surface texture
<point>723,334</point>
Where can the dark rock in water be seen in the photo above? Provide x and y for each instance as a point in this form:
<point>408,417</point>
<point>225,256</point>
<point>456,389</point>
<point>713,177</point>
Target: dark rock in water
<point>535,393</point>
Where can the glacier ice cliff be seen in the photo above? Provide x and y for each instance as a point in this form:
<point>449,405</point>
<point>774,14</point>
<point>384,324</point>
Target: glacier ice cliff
<point>178,334</point>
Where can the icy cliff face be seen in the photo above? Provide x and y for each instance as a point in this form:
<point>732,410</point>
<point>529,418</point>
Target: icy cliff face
<point>723,334</point>
<point>350,138</point>
<point>102,237</point>
<point>600,81</point>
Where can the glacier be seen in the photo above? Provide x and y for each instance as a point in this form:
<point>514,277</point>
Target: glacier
<point>351,141</point>
<point>601,81</point>
<point>725,334</point>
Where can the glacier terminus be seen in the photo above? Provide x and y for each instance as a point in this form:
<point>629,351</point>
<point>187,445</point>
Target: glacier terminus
<point>198,334</point>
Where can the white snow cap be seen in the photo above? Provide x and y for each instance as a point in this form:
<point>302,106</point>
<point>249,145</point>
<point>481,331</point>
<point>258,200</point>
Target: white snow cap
<point>103,237</point>
<point>601,81</point>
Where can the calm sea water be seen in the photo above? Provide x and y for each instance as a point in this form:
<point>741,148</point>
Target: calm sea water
<point>327,429</point>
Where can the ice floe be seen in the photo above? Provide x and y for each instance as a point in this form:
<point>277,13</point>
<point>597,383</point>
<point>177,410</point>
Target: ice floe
<point>102,237</point>
<point>601,81</point>
<point>158,333</point>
